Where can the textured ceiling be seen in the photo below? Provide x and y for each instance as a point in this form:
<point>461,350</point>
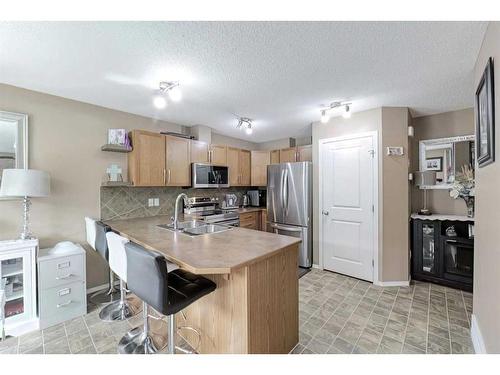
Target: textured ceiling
<point>277,73</point>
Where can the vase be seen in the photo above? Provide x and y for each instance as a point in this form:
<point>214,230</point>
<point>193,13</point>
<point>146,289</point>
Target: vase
<point>469,202</point>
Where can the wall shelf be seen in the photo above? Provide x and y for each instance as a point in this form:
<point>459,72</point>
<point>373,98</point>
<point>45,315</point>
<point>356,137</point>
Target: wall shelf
<point>116,183</point>
<point>115,148</point>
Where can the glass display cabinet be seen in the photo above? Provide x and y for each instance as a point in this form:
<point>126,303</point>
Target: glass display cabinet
<point>18,281</point>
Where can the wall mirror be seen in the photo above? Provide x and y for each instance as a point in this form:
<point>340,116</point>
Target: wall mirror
<point>446,156</point>
<point>13,141</point>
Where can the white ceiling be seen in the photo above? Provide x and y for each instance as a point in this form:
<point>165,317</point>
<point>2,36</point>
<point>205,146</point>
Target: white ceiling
<point>277,73</point>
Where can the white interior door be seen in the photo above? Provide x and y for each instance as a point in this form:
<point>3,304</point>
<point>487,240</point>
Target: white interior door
<point>347,209</point>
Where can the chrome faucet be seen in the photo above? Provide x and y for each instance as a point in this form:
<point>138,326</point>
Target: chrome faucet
<point>175,221</point>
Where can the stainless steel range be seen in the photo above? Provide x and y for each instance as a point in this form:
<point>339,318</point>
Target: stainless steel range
<point>208,210</point>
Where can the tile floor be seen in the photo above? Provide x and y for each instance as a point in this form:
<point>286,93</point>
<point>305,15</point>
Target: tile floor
<point>338,314</point>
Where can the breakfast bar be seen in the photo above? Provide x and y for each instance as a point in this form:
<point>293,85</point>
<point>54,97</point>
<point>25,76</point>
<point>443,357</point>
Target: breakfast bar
<point>255,306</point>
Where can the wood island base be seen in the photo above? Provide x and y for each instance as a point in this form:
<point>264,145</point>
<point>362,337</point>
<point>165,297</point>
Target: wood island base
<point>253,310</point>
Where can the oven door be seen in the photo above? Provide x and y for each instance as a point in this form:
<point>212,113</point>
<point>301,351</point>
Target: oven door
<point>209,176</point>
<point>305,247</point>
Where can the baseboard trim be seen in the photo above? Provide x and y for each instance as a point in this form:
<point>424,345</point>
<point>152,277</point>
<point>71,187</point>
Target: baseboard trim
<point>477,338</point>
<point>316,266</point>
<point>392,283</point>
<point>98,288</point>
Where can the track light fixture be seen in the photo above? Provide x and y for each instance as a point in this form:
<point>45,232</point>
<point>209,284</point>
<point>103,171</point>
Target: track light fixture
<point>245,123</point>
<point>325,112</point>
<point>173,90</point>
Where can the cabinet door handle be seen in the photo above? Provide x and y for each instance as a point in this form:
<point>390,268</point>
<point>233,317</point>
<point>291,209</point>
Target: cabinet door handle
<point>164,177</point>
<point>64,277</point>
<point>168,176</point>
<point>210,156</point>
<point>59,305</point>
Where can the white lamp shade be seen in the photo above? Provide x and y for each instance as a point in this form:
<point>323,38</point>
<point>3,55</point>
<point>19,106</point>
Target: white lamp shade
<point>425,178</point>
<point>25,183</point>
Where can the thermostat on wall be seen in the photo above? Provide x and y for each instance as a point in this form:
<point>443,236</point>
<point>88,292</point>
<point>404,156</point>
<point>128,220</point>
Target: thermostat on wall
<point>395,151</point>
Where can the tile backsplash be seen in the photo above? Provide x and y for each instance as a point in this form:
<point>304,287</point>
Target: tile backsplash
<point>132,202</point>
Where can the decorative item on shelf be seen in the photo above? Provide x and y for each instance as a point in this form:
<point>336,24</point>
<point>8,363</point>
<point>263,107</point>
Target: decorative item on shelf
<point>485,117</point>
<point>114,173</point>
<point>25,183</point>
<point>117,136</point>
<point>464,187</point>
<point>424,179</point>
<point>434,164</point>
<point>450,231</point>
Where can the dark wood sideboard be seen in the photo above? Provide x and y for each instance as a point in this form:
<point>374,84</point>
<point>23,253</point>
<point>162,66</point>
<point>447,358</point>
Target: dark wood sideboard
<point>438,257</point>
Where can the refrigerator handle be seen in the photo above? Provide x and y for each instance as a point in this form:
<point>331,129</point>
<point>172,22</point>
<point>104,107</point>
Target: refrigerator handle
<point>287,229</point>
<point>285,192</point>
<point>282,192</point>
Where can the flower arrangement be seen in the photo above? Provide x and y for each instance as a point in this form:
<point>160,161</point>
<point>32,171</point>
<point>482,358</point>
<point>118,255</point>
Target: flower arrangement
<point>464,187</point>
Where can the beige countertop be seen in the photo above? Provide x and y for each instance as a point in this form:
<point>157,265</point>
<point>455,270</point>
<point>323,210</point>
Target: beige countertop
<point>215,253</point>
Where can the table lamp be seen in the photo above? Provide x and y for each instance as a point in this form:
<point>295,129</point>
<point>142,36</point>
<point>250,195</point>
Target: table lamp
<point>424,179</point>
<point>25,183</point>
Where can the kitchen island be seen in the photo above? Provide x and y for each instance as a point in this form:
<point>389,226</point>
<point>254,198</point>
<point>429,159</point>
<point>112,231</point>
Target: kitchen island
<point>255,306</point>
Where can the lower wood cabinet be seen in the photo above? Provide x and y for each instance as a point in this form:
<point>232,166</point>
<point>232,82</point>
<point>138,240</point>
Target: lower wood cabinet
<point>250,220</point>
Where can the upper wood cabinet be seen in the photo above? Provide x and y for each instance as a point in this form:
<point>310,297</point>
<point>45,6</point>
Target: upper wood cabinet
<point>178,171</point>
<point>275,156</point>
<point>218,155</point>
<point>146,161</point>
<point>239,164</point>
<point>259,162</point>
<point>304,153</point>
<point>245,168</point>
<point>199,152</point>
<point>288,155</point>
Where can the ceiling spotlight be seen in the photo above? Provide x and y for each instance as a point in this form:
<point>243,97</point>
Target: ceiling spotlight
<point>324,117</point>
<point>245,123</point>
<point>325,112</point>
<point>159,102</point>
<point>347,112</point>
<point>174,93</point>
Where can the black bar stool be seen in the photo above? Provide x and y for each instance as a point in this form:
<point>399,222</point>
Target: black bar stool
<point>167,292</point>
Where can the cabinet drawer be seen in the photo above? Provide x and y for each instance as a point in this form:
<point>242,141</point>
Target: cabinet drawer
<point>248,220</point>
<point>62,303</point>
<point>61,271</point>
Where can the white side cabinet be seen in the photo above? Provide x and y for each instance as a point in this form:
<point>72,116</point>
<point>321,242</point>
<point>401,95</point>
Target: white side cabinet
<point>61,284</point>
<point>18,277</point>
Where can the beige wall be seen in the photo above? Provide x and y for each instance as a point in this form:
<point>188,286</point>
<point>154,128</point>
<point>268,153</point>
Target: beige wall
<point>486,308</point>
<point>448,124</point>
<point>65,137</point>
<point>220,139</point>
<point>277,144</point>
<point>391,125</point>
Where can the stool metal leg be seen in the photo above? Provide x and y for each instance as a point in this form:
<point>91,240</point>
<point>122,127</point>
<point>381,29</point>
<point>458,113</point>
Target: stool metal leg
<point>119,310</point>
<point>104,297</point>
<point>138,340</point>
<point>171,334</point>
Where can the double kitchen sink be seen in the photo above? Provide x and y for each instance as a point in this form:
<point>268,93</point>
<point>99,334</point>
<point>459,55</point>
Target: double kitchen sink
<point>195,227</point>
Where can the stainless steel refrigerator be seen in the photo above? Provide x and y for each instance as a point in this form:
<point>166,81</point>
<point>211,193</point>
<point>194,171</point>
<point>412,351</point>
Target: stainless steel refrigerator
<point>289,204</point>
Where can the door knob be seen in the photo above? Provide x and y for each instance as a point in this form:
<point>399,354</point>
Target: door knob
<point>325,212</point>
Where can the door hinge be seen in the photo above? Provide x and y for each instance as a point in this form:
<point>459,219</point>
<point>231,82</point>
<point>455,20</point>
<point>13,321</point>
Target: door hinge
<point>373,263</point>
<point>373,208</point>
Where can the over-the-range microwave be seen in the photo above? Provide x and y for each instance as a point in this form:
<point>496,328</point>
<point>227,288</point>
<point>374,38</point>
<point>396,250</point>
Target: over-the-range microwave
<point>209,176</point>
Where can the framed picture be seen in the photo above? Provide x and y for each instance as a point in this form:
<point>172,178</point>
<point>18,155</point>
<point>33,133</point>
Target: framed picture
<point>434,164</point>
<point>117,136</point>
<point>485,117</point>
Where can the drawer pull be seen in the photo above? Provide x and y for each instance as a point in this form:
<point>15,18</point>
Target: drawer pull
<point>59,305</point>
<point>63,265</point>
<point>64,277</point>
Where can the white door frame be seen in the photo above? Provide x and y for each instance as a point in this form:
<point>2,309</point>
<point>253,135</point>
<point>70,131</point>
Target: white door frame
<point>321,142</point>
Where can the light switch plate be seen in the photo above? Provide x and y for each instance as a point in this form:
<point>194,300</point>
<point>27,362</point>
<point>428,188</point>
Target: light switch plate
<point>395,151</point>
<point>156,202</point>
<point>151,202</point>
